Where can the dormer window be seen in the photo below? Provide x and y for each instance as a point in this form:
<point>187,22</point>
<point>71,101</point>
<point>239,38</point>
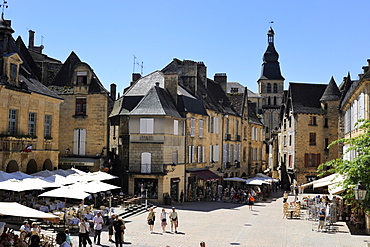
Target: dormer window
<point>13,71</point>
<point>81,78</point>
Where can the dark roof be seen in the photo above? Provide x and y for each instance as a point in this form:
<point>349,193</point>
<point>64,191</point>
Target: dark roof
<point>332,92</point>
<point>237,100</point>
<point>28,58</point>
<point>156,102</point>
<point>271,67</point>
<point>191,104</point>
<point>252,116</point>
<point>305,98</point>
<point>66,72</point>
<point>33,85</point>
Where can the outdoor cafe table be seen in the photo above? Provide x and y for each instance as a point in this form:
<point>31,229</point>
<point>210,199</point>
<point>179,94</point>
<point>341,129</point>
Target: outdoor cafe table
<point>291,210</point>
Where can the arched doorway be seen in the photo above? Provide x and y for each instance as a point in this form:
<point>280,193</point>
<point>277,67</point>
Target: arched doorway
<point>47,165</point>
<point>12,166</point>
<point>31,167</point>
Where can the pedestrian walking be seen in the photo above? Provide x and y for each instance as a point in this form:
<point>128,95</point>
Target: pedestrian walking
<point>82,233</point>
<point>181,196</point>
<point>250,201</point>
<point>110,228</point>
<point>285,197</point>
<point>119,230</point>
<point>163,220</point>
<point>174,219</point>
<point>98,226</point>
<point>321,216</point>
<point>88,231</point>
<point>150,219</point>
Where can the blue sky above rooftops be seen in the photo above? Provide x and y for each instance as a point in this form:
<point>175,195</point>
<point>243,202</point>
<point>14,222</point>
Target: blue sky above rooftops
<point>315,39</point>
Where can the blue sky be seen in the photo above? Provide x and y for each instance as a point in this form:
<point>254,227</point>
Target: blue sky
<point>315,39</point>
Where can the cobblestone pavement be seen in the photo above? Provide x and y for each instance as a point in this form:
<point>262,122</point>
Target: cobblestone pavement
<point>227,224</point>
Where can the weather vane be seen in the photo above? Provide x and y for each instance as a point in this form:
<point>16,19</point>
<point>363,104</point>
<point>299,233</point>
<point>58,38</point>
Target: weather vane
<point>3,6</point>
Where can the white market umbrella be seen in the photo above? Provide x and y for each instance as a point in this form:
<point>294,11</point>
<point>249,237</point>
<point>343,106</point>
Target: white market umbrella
<point>20,175</point>
<point>44,173</point>
<point>99,176</point>
<point>58,180</point>
<point>236,179</point>
<point>61,172</point>
<point>94,186</point>
<point>255,181</point>
<point>66,192</point>
<point>5,176</point>
<point>328,180</point>
<point>80,177</point>
<point>20,185</point>
<point>77,171</point>
<point>16,209</point>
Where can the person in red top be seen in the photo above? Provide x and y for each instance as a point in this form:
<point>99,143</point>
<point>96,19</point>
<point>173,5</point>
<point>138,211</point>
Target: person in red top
<point>250,201</point>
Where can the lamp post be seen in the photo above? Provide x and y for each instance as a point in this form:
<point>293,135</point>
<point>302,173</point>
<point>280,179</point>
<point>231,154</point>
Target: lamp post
<point>360,191</point>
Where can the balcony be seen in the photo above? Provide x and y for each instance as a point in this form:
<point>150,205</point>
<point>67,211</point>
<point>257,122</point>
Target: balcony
<point>161,169</point>
<point>16,143</point>
<point>228,137</point>
<point>238,138</point>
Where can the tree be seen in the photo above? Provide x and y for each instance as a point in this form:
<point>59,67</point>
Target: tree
<point>357,169</point>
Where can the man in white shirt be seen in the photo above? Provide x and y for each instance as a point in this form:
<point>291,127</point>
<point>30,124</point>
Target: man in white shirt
<point>98,226</point>
<point>174,219</point>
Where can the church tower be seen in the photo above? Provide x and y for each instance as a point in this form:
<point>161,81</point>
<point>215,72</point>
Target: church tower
<point>271,86</point>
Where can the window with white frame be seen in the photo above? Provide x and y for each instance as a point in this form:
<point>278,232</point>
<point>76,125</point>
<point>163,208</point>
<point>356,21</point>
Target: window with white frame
<point>192,127</point>
<point>32,123</point>
<point>175,127</point>
<point>175,157</point>
<point>215,125</point>
<point>191,150</point>
<point>200,154</point>
<point>12,122</point>
<point>79,141</point>
<point>146,125</point>
<point>146,162</point>
<point>47,126</point>
<point>201,128</point>
<point>214,153</point>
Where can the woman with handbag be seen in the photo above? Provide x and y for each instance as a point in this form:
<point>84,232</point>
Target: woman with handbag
<point>151,219</point>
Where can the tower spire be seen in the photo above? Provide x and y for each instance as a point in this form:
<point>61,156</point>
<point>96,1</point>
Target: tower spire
<point>3,6</point>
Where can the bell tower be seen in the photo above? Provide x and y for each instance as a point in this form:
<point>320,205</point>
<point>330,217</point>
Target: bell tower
<point>271,86</point>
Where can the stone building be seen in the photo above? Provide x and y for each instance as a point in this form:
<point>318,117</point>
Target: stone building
<point>29,131</point>
<point>83,135</point>
<point>309,123</point>
<point>195,133</point>
<point>354,106</point>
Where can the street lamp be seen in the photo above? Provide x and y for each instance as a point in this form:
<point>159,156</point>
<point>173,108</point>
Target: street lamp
<point>360,191</point>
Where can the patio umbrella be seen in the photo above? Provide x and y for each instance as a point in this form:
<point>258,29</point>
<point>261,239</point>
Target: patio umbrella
<point>236,179</point>
<point>59,180</point>
<point>16,209</point>
<point>20,185</point>
<point>66,192</point>
<point>44,173</point>
<point>255,181</point>
<point>61,172</point>
<point>80,177</point>
<point>99,176</point>
<point>20,175</point>
<point>5,176</point>
<point>94,186</point>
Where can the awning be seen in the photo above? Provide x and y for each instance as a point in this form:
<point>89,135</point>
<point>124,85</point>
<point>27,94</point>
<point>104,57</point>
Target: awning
<point>236,179</point>
<point>325,181</point>
<point>175,180</point>
<point>16,209</point>
<point>206,175</point>
<point>74,161</point>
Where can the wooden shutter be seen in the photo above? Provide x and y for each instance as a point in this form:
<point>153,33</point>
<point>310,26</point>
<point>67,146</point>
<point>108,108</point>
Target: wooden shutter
<point>306,157</point>
<point>82,141</point>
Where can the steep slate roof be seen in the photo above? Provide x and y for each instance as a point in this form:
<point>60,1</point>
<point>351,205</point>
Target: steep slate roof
<point>332,92</point>
<point>271,67</point>
<point>156,102</point>
<point>27,57</point>
<point>28,81</point>
<point>252,116</point>
<point>144,84</point>
<point>66,72</point>
<point>305,98</point>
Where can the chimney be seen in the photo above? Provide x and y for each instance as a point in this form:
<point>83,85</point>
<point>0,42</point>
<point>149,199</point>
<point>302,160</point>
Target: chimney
<point>221,79</point>
<point>135,76</point>
<point>171,83</point>
<point>31,39</point>
<point>113,91</point>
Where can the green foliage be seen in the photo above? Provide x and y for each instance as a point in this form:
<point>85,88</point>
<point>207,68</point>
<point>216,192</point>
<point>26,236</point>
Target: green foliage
<point>357,169</point>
